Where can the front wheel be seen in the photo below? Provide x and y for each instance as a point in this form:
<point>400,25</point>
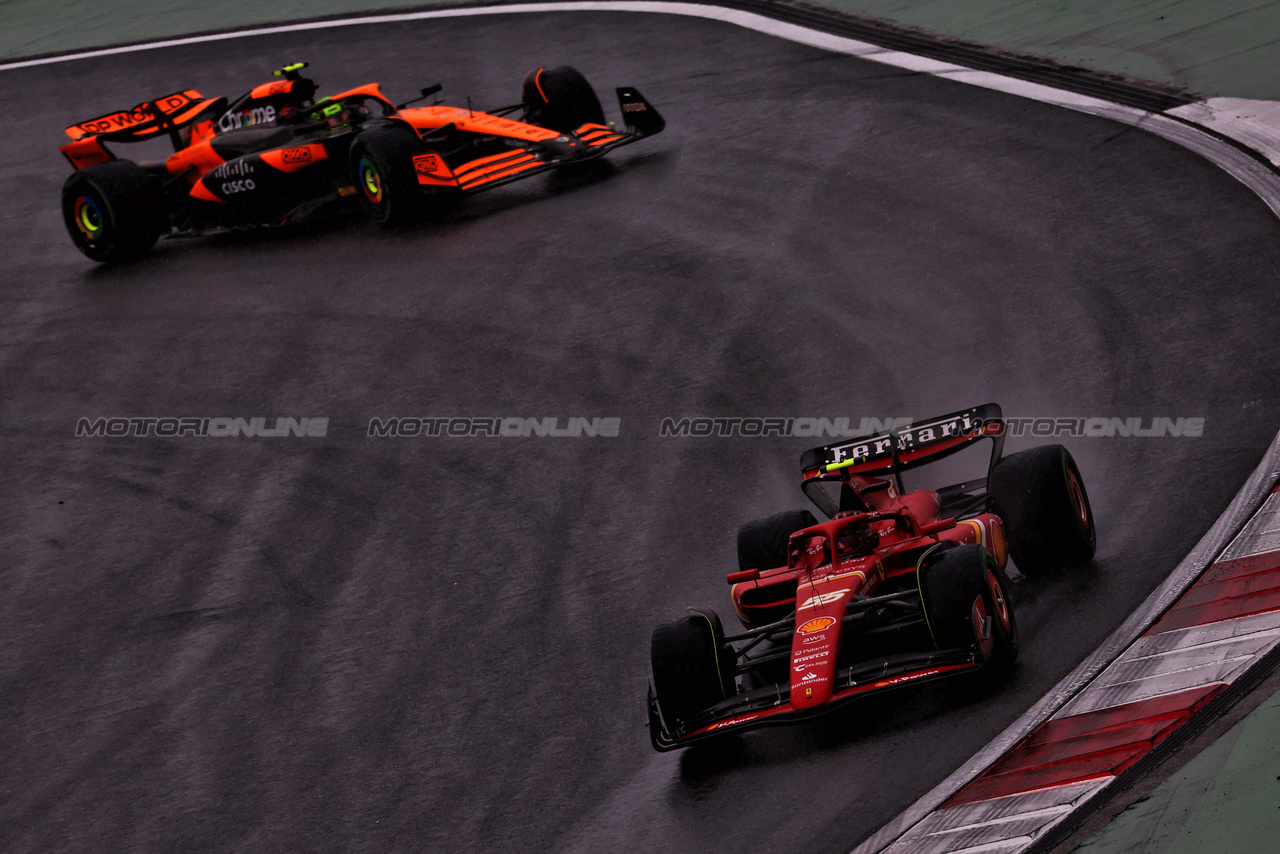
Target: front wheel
<point>383,171</point>
<point>560,99</point>
<point>113,211</point>
<point>692,666</point>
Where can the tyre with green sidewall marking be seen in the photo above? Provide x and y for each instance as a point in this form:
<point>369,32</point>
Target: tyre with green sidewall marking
<point>383,172</point>
<point>692,666</point>
<point>113,211</point>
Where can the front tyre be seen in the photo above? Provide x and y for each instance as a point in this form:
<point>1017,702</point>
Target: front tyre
<point>560,99</point>
<point>383,171</point>
<point>112,211</point>
<point>692,666</point>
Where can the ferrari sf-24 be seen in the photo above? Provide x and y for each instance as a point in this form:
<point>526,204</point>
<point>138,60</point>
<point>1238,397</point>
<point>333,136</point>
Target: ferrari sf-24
<point>895,588</point>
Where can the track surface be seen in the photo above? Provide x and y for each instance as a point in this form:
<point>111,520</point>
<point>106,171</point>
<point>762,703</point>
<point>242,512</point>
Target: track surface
<point>356,644</point>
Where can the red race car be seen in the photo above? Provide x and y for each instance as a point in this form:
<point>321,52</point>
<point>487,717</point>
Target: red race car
<point>896,588</point>
<point>277,156</point>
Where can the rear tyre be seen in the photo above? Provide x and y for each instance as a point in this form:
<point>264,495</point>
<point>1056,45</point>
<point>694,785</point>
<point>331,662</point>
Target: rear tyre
<point>966,603</point>
<point>1040,496</point>
<point>386,183</point>
<point>113,211</point>
<point>762,544</point>
<point>560,99</point>
<point>692,666</point>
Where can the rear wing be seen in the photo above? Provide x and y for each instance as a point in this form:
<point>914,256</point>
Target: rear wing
<point>147,120</point>
<point>917,444</point>
<point>908,447</point>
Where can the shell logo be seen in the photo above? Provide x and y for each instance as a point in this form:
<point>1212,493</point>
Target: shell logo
<point>816,625</point>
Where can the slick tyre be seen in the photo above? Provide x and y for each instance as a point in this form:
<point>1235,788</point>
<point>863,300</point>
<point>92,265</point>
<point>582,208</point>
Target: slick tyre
<point>762,544</point>
<point>966,603</point>
<point>692,666</point>
<point>1040,496</point>
<point>113,211</point>
<point>386,183</point>
<point>560,99</point>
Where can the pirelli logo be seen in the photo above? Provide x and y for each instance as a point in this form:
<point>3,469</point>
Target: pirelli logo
<point>297,155</point>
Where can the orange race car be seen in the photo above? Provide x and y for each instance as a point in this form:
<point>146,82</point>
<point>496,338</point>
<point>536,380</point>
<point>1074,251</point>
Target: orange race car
<point>277,155</point>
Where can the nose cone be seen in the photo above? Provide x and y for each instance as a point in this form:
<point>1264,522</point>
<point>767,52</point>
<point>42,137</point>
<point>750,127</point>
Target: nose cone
<point>813,655</point>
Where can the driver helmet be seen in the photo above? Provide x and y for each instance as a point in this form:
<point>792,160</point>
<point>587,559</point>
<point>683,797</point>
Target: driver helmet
<point>351,114</point>
<point>861,540</point>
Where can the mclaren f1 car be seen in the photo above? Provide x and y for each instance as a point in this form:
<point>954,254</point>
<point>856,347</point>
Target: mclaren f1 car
<point>277,155</point>
<point>895,588</point>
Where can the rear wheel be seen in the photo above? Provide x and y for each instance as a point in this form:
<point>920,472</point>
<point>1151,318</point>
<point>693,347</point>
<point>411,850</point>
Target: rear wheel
<point>113,211</point>
<point>966,603</point>
<point>692,666</point>
<point>560,99</point>
<point>386,183</point>
<point>1040,496</point>
<point>762,544</point>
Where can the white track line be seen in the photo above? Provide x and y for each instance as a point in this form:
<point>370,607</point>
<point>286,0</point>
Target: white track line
<point>1238,514</point>
<point>1253,174</point>
<point>791,32</point>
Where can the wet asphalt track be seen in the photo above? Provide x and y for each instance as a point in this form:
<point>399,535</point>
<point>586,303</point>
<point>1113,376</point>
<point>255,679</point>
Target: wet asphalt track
<point>357,644</point>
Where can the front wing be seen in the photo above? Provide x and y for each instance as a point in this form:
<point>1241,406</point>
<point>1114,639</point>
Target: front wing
<point>770,705</point>
<point>524,161</point>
